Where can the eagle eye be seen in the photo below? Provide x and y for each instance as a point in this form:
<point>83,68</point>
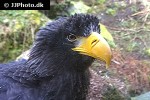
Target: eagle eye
<point>71,38</point>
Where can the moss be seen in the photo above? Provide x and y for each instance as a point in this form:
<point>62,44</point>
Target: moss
<point>113,94</point>
<point>17,32</point>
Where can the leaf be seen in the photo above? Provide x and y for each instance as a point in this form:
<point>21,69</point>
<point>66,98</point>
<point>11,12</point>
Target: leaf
<point>105,33</point>
<point>17,26</point>
<point>111,11</point>
<point>147,51</point>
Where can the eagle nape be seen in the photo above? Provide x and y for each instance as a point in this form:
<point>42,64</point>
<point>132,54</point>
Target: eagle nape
<point>58,63</point>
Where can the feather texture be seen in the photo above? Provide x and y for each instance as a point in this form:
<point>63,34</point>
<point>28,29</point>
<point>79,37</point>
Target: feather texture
<point>53,71</point>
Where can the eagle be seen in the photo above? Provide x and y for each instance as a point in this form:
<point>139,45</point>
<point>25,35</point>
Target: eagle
<point>58,63</point>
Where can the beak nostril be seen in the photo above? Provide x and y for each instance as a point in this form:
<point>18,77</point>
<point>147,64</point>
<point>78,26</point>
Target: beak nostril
<point>93,41</point>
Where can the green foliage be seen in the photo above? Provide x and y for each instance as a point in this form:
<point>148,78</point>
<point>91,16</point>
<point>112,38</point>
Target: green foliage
<point>59,9</point>
<point>129,23</point>
<point>107,35</point>
<point>112,94</point>
<point>78,7</point>
<point>147,51</point>
<point>111,11</point>
<point>17,32</point>
<point>112,44</point>
<point>100,1</point>
<point>132,46</point>
<point>134,8</point>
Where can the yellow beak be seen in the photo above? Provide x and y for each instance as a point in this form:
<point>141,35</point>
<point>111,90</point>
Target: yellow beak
<point>95,46</point>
